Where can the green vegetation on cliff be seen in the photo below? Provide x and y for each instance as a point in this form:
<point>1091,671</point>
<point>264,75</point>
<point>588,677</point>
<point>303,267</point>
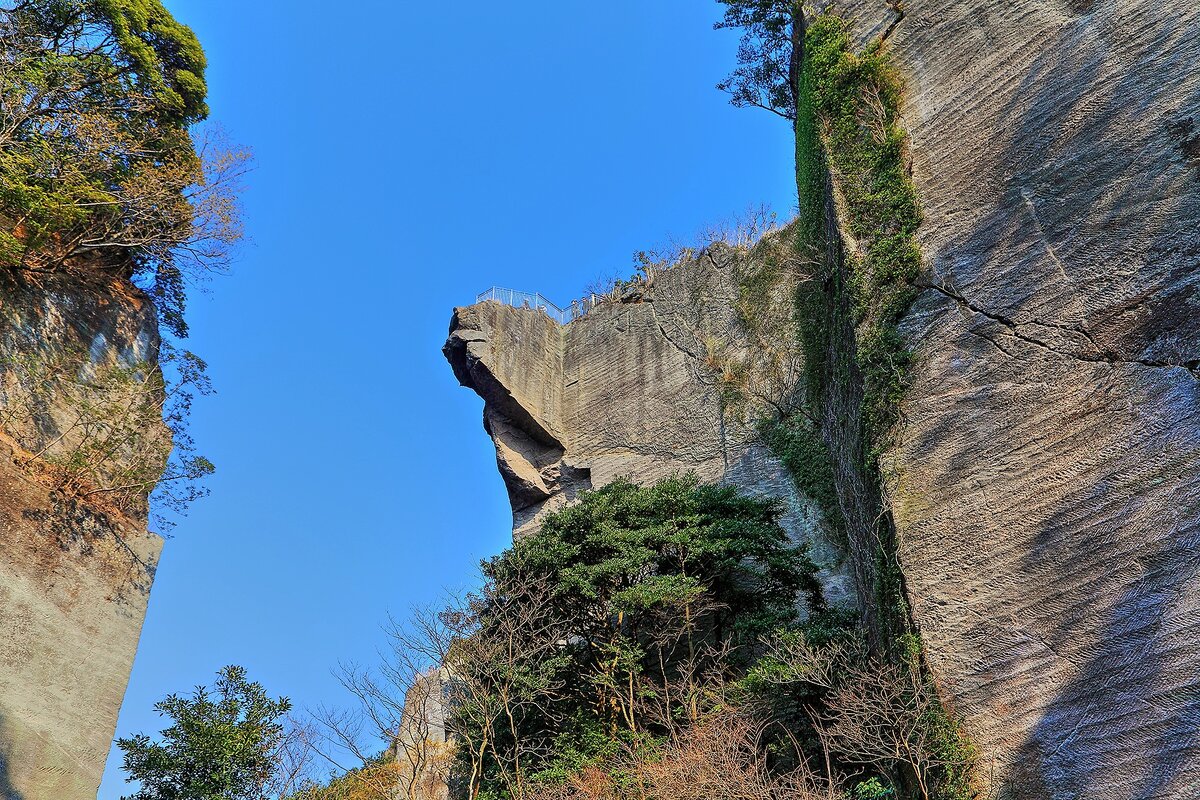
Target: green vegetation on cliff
<point>855,240</point>
<point>105,179</point>
<point>653,643</point>
<point>850,128</point>
<point>99,169</point>
<point>853,183</point>
<point>858,219</point>
<point>631,608</point>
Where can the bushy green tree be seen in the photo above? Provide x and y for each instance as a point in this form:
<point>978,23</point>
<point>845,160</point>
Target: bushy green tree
<point>625,558</point>
<point>610,624</point>
<point>98,166</point>
<point>222,744</point>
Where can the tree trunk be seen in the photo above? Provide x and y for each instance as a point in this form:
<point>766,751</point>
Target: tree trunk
<point>796,63</point>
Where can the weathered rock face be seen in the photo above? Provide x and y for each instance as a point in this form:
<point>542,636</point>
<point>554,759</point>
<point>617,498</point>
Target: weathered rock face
<point>424,749</point>
<point>75,570</point>
<point>1047,477</point>
<point>629,390</point>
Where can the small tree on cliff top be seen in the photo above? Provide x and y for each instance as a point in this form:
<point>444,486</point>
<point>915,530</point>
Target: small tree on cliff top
<point>769,55</point>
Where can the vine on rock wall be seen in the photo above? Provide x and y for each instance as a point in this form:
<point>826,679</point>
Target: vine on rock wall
<point>856,236</point>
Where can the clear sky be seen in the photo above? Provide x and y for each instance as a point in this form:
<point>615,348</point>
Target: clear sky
<point>409,155</point>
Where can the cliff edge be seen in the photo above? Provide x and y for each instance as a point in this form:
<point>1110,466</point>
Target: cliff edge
<point>1046,477</point>
<point>76,565</point>
<point>633,389</point>
<point>1044,474</point>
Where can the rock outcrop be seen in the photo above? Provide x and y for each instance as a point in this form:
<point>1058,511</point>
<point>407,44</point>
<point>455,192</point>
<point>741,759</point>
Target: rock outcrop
<point>1045,476</point>
<point>633,389</point>
<point>75,566</point>
<point>424,750</point>
<point>1046,479</point>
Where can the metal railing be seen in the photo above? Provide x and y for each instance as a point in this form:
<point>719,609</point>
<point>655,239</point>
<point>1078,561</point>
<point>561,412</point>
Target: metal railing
<point>535,302</point>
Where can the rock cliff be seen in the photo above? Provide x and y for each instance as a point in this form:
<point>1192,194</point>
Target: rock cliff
<point>75,564</point>
<point>632,389</point>
<point>1045,475</point>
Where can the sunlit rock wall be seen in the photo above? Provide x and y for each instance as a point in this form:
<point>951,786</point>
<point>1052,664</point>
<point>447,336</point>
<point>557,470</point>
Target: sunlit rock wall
<point>75,573</point>
<point>629,390</point>
<point>1046,479</point>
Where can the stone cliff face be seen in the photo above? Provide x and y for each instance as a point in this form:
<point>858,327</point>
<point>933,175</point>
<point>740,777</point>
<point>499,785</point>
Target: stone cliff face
<point>75,567</point>
<point>1045,476</point>
<point>1046,479</point>
<point>628,390</point>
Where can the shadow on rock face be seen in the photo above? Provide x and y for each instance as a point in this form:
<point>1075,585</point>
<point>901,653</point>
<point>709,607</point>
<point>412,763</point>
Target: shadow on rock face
<point>1066,420</point>
<point>7,791</point>
<point>72,529</point>
<point>1127,722</point>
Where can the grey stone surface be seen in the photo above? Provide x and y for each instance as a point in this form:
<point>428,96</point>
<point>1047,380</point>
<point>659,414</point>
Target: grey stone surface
<point>1045,480</point>
<point>74,575</point>
<point>424,749</point>
<point>1046,483</point>
<point>627,391</point>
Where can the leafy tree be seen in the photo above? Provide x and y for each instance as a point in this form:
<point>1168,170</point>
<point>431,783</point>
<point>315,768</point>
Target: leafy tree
<point>608,625</point>
<point>625,560</point>
<point>223,744</point>
<point>103,173</point>
<point>98,168</point>
<point>769,55</point>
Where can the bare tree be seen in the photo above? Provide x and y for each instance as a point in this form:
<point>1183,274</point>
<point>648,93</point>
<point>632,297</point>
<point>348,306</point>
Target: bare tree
<point>887,714</point>
<point>720,756</point>
<point>872,711</point>
<point>495,688</point>
<point>452,686</point>
<point>401,705</point>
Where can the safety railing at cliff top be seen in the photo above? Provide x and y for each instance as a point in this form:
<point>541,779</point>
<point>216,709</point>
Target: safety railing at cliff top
<point>536,302</point>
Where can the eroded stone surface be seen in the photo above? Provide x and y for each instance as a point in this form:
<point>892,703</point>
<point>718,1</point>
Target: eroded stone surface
<point>1047,478</point>
<point>627,391</point>
<point>1045,481</point>
<point>74,575</point>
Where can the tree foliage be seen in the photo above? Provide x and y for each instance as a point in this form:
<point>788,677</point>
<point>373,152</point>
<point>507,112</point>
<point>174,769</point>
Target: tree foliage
<point>98,167</point>
<point>223,744</point>
<point>606,627</point>
<point>104,172</point>
<point>769,54</point>
<point>646,644</point>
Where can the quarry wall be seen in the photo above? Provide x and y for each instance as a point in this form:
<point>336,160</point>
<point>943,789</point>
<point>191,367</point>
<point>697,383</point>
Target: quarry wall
<point>633,390</point>
<point>75,570</point>
<point>1044,478</point>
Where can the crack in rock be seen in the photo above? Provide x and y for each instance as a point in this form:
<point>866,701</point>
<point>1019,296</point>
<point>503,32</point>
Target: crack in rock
<point>1192,366</point>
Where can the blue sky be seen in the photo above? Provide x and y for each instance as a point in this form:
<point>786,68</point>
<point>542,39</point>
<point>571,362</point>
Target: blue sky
<point>409,155</point>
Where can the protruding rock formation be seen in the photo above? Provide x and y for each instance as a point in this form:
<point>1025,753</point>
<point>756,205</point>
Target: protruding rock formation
<point>75,567</point>
<point>631,389</point>
<point>1045,477</point>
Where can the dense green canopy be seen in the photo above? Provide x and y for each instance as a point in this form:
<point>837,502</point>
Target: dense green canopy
<point>97,164</point>
<point>625,606</point>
